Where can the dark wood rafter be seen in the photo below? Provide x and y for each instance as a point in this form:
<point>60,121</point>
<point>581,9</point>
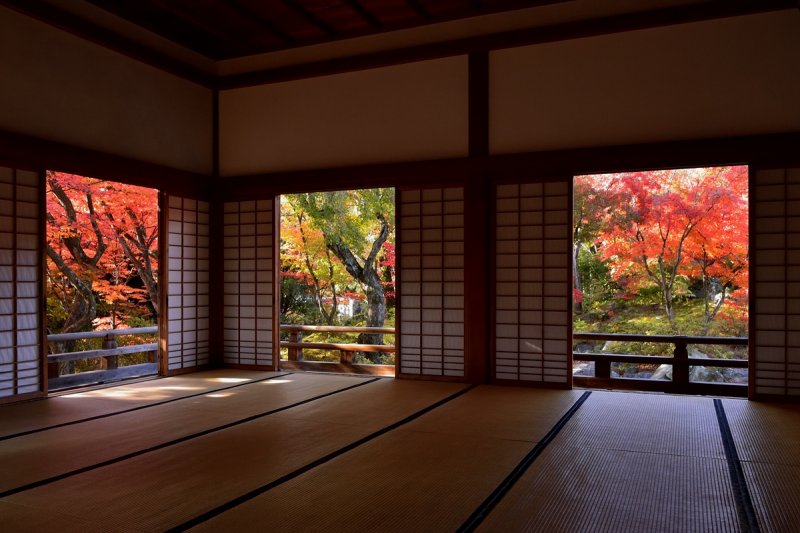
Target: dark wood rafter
<point>232,39</point>
<point>419,9</point>
<point>256,17</point>
<point>365,13</point>
<point>311,18</point>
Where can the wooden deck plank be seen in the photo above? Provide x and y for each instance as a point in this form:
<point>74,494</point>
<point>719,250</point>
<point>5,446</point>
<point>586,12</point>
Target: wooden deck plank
<point>39,456</point>
<point>169,486</point>
<point>16,418</point>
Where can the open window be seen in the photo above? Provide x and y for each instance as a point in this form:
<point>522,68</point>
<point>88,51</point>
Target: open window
<point>660,280</point>
<point>102,285</point>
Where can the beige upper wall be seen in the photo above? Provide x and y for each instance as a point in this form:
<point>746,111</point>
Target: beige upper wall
<point>407,112</point>
<point>735,76</point>
<point>59,87</point>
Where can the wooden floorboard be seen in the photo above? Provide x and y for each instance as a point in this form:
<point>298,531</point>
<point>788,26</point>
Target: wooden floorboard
<point>426,476</point>
<point>164,488</point>
<point>37,456</point>
<point>65,408</point>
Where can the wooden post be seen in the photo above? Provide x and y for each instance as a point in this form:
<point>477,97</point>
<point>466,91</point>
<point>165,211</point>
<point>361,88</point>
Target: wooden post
<point>680,367</point>
<point>346,357</point>
<point>602,368</point>
<point>109,343</point>
<point>295,354</point>
<point>52,370</point>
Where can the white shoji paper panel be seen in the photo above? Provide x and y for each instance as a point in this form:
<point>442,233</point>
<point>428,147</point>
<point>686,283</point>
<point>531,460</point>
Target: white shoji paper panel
<point>20,280</point>
<point>531,282</point>
<point>775,268</point>
<point>248,287</point>
<point>431,235</point>
<point>187,283</point>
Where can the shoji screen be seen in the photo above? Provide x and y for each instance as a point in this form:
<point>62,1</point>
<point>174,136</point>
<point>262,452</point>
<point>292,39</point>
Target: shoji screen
<point>775,272</point>
<point>249,292</point>
<point>20,283</point>
<point>187,283</point>
<point>431,236</point>
<point>532,288</point>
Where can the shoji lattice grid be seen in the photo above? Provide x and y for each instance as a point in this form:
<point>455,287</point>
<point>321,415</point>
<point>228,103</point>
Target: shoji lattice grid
<point>248,272</point>
<point>431,235</point>
<point>20,283</point>
<point>531,282</point>
<point>187,282</point>
<point>775,268</point>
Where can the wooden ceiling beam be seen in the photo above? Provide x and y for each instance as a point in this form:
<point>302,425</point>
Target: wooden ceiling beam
<point>303,12</point>
<point>266,24</point>
<point>365,14</point>
<point>188,16</point>
<point>419,9</point>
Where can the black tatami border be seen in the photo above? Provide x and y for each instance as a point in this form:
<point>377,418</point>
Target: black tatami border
<point>132,409</point>
<point>227,506</point>
<point>497,494</point>
<point>173,442</point>
<point>748,520</point>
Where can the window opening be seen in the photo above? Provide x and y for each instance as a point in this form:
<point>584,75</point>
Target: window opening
<point>337,275</point>
<point>101,280</point>
<point>660,280</point>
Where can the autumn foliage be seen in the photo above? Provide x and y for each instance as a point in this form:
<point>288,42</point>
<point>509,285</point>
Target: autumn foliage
<point>681,233</point>
<point>102,254</point>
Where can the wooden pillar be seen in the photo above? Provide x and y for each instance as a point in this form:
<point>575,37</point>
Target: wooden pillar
<point>477,223</point>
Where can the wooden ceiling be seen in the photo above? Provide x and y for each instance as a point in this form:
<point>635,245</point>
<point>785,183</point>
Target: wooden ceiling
<point>226,29</point>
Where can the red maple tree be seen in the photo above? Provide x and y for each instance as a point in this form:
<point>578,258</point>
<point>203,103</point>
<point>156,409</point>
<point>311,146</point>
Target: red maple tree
<point>658,227</point>
<point>102,244</point>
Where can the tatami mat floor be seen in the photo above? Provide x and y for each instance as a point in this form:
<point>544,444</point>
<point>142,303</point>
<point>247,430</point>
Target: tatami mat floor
<point>236,451</point>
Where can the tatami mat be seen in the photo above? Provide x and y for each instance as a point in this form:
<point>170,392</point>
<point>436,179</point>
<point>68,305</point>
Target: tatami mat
<point>754,426</point>
<point>428,475</point>
<point>647,423</point>
<point>627,462</point>
<point>166,487</point>
<point>569,489</point>
<point>623,462</point>
<point>16,418</point>
<point>38,456</point>
<point>767,437</point>
<point>19,518</point>
<point>775,490</point>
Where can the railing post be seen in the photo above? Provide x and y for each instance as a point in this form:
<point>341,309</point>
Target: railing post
<point>602,368</point>
<point>346,357</point>
<point>295,354</point>
<point>109,343</point>
<point>680,367</point>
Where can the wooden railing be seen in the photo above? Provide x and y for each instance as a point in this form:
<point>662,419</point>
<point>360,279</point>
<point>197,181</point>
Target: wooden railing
<point>295,346</point>
<point>109,352</point>
<point>680,361</point>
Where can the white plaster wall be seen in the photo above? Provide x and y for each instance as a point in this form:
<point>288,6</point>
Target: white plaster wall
<point>59,87</point>
<point>407,112</point>
<point>735,76</point>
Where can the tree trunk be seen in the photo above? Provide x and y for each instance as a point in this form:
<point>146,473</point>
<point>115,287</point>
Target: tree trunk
<point>368,276</point>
